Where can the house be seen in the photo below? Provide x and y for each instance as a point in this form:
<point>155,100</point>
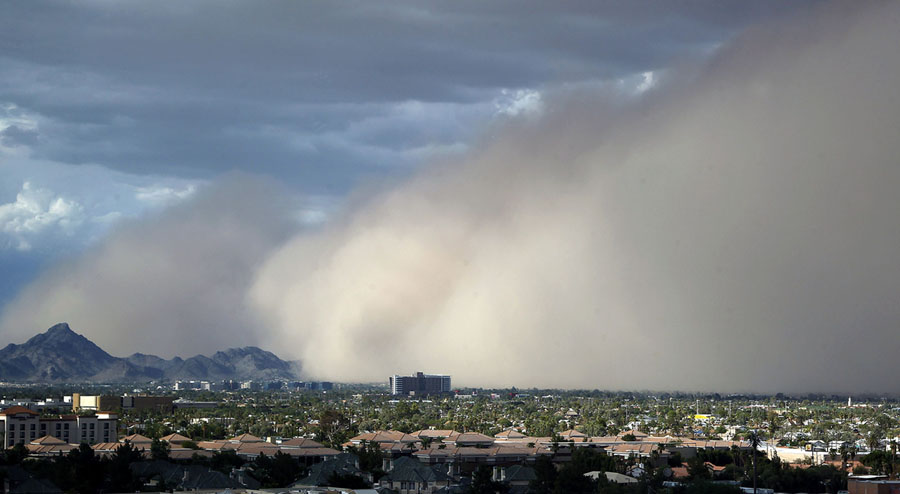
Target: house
<point>167,475</point>
<point>518,475</point>
<point>17,480</point>
<point>614,477</point>
<point>300,443</point>
<point>816,445</point>
<point>633,450</point>
<point>49,446</point>
<point>469,439</point>
<point>573,435</point>
<point>409,476</point>
<point>434,434</point>
<point>636,471</point>
<point>175,439</point>
<point>245,438</point>
<point>509,434</point>
<point>138,441</point>
<point>714,470</point>
<point>638,435</point>
<point>386,440</point>
<point>341,464</point>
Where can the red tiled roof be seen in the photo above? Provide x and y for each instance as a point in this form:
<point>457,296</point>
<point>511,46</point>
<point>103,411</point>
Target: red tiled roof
<point>175,438</point>
<point>470,437</point>
<point>572,433</point>
<point>105,446</point>
<point>246,438</point>
<point>509,434</point>
<point>49,449</point>
<point>298,452</point>
<point>187,454</point>
<point>680,472</point>
<point>435,433</point>
<point>301,442</point>
<point>15,410</point>
<point>215,445</point>
<point>48,440</point>
<point>137,439</point>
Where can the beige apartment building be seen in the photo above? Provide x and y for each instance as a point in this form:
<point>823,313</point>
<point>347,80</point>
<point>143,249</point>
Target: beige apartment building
<point>19,425</point>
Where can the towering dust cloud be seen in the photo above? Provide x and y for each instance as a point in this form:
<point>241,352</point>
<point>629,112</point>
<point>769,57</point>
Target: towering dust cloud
<point>736,231</point>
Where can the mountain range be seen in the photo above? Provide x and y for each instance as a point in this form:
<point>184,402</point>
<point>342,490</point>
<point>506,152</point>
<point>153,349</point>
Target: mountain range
<point>62,355</point>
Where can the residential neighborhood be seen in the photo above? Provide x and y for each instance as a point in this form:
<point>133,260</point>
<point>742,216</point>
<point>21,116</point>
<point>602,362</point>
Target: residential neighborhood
<point>365,437</point>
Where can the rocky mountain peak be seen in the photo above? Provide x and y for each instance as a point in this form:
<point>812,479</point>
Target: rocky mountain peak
<point>61,354</point>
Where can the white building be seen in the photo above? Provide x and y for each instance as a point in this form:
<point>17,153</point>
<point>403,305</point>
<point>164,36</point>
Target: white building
<point>19,425</point>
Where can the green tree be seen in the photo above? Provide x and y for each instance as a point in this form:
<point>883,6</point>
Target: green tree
<point>279,470</point>
<point>15,455</point>
<point>87,469</point>
<point>370,458</point>
<point>333,428</point>
<point>754,440</point>
<point>697,469</point>
<point>159,450</point>
<point>483,482</point>
<point>545,476</point>
<point>120,477</point>
<point>224,461</point>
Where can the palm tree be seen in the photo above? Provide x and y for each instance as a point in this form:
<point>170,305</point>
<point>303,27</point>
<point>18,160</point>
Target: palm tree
<point>872,441</point>
<point>773,427</point>
<point>893,458</point>
<point>845,455</point>
<point>754,439</point>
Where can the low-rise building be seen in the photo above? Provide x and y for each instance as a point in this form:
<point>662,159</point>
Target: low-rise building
<point>19,425</point>
<point>872,484</point>
<point>128,402</point>
<point>409,476</point>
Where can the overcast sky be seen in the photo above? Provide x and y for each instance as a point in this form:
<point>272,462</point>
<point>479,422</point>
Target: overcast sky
<point>109,110</point>
<point>206,147</point>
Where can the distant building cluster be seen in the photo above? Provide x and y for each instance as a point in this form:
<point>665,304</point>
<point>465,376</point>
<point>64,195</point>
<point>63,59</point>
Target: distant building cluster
<point>232,385</point>
<point>52,436</point>
<point>313,385</point>
<point>419,384</point>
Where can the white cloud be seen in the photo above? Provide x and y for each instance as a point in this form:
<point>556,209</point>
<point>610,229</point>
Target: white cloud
<point>157,195</point>
<point>47,208</point>
<point>521,102</point>
<point>648,80</point>
<point>35,211</point>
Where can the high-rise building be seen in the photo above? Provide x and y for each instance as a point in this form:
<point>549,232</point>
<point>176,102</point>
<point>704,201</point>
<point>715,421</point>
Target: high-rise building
<point>419,384</point>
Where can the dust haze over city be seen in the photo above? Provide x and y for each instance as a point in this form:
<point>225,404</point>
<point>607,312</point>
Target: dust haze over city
<point>626,195</point>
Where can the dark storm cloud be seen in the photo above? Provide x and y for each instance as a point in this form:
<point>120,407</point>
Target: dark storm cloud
<point>17,136</point>
<point>195,88</point>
